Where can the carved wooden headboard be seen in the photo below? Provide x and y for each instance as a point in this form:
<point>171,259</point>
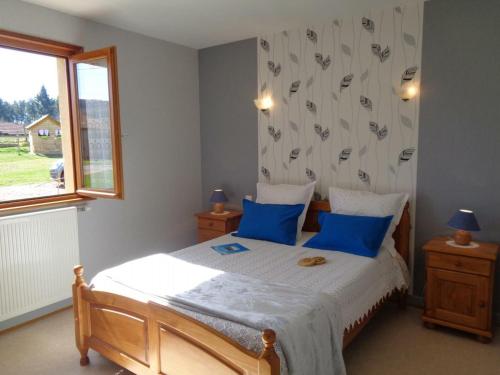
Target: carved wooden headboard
<point>401,234</point>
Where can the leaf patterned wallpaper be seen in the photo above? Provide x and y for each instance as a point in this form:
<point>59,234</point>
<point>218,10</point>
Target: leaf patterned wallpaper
<point>337,116</point>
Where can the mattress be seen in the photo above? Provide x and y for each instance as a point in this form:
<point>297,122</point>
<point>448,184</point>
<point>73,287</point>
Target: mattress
<point>355,283</point>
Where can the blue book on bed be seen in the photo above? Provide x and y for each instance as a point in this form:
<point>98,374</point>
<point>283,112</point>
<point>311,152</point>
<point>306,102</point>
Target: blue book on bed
<point>230,248</point>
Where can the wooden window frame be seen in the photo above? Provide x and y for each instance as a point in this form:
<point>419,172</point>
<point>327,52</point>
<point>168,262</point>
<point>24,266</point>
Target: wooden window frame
<point>27,43</point>
<point>38,45</point>
<point>110,55</point>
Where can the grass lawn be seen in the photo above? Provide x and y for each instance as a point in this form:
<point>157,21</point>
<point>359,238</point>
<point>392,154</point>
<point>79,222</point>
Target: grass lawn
<point>101,177</point>
<point>23,168</point>
<point>99,180</point>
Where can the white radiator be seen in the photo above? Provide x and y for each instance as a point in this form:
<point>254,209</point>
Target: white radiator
<point>37,255</point>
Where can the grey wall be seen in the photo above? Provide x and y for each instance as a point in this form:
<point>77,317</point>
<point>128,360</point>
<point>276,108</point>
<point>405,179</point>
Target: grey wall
<point>161,150</point>
<point>459,139</point>
<point>228,118</point>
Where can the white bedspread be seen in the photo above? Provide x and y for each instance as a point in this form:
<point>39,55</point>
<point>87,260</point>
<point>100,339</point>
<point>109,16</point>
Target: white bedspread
<point>353,283</point>
<point>356,282</point>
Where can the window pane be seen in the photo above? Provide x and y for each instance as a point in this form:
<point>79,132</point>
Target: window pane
<point>95,124</point>
<point>33,110</point>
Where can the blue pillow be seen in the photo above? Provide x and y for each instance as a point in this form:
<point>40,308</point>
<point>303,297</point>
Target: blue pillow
<point>360,235</point>
<point>270,222</point>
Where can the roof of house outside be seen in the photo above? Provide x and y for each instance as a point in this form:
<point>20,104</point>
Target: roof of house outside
<point>10,128</point>
<point>41,119</point>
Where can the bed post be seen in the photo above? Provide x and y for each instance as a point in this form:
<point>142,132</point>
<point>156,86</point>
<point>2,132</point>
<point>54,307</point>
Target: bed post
<point>268,353</point>
<point>80,316</point>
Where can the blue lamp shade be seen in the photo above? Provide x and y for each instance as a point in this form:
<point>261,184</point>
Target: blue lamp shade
<point>464,220</point>
<point>218,196</point>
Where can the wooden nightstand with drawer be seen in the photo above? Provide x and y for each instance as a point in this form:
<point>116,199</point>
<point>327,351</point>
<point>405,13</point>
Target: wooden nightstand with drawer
<point>213,226</point>
<point>459,288</point>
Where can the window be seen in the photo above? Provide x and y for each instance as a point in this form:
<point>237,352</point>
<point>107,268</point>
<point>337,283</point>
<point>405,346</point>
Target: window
<point>63,103</point>
<point>96,115</point>
<point>43,132</point>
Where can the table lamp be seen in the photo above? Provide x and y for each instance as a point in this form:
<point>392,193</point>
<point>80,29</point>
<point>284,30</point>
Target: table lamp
<point>463,221</point>
<point>218,198</point>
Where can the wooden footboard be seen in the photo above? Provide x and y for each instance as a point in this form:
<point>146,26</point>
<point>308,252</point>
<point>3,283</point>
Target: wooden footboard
<point>147,338</point>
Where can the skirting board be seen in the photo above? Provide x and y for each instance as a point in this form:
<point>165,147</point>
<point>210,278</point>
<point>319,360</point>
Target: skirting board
<point>32,315</point>
<point>415,301</point>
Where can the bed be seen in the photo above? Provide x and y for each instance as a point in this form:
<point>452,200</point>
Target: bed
<point>147,336</point>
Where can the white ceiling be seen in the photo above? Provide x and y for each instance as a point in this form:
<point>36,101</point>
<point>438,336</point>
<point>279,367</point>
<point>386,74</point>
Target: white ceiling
<point>204,23</point>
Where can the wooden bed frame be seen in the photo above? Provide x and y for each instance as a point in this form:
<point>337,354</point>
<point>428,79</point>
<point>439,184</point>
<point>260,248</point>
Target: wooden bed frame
<point>147,338</point>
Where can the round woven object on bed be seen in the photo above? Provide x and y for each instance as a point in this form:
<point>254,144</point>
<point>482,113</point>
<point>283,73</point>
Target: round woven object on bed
<point>310,262</point>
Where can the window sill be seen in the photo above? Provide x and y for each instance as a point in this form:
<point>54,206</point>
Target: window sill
<point>37,204</point>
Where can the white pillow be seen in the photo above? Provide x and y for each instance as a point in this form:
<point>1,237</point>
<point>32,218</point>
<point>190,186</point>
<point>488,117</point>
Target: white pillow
<point>287,194</point>
<point>366,203</point>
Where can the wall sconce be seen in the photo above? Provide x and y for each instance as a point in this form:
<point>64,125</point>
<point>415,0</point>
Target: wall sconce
<point>264,104</point>
<point>408,91</point>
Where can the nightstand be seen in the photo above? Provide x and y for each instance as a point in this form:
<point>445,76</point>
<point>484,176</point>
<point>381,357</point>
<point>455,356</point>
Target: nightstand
<point>213,226</point>
<point>459,288</point>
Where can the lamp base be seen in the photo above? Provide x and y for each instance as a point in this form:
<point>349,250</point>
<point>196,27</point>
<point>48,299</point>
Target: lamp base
<point>218,209</point>
<point>462,237</point>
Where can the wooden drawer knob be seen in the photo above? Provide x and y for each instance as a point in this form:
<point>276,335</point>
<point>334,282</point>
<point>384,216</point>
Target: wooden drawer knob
<point>458,263</point>
<point>482,304</point>
<point>210,223</point>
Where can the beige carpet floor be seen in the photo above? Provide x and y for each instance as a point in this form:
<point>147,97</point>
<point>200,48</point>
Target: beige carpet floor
<point>393,343</point>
